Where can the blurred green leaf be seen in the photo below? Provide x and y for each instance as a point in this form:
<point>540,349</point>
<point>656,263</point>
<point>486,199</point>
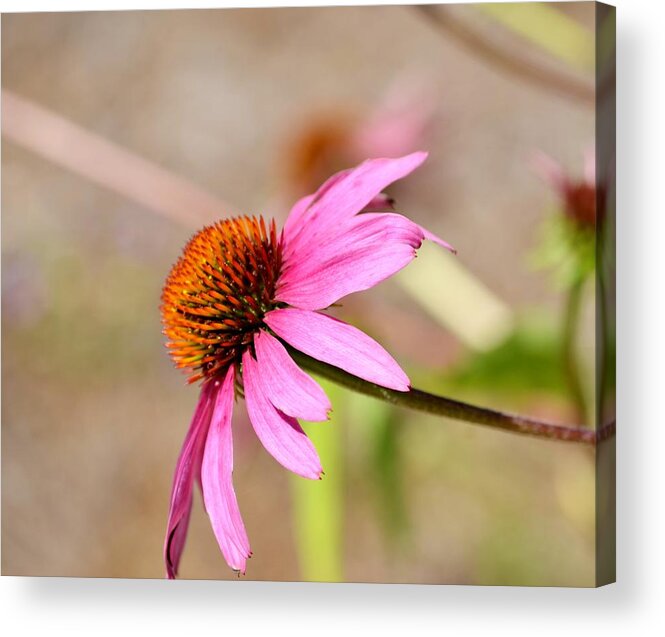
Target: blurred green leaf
<point>527,360</point>
<point>389,476</point>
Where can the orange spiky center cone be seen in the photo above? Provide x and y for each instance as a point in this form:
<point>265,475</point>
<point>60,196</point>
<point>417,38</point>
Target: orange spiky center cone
<point>217,293</point>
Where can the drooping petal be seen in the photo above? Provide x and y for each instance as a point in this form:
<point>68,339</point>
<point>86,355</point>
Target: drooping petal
<point>340,344</point>
<point>280,434</point>
<point>379,203</point>
<point>216,480</point>
<point>348,195</point>
<point>175,543</point>
<point>370,248</point>
<point>288,388</point>
<point>187,468</point>
<point>430,236</point>
<point>294,221</point>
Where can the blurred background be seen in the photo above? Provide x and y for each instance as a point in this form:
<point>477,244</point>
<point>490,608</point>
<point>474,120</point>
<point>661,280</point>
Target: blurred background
<point>124,132</point>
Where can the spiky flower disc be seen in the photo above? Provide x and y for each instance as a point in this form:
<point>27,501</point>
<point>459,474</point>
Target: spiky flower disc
<point>218,292</point>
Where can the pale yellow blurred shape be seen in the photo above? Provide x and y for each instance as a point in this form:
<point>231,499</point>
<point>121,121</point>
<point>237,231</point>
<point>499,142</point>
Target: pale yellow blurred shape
<point>548,28</point>
<point>574,485</point>
<point>455,298</point>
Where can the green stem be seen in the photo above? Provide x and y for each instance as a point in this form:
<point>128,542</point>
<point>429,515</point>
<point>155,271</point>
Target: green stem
<point>318,507</point>
<point>441,406</point>
<point>570,365</point>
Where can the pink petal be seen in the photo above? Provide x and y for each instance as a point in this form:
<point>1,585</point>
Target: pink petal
<point>332,341</point>
<point>216,479</point>
<point>294,221</point>
<point>287,387</point>
<point>175,544</point>
<point>349,193</point>
<point>187,468</point>
<point>380,203</point>
<point>368,249</point>
<point>280,434</point>
<point>436,239</point>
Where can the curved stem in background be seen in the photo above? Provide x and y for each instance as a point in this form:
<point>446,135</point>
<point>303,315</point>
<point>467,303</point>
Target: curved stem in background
<point>570,365</point>
<point>441,406</point>
<point>107,164</point>
<point>546,78</point>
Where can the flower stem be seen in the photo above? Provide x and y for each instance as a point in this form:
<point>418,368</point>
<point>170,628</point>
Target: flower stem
<point>570,365</point>
<point>442,406</point>
<point>445,21</point>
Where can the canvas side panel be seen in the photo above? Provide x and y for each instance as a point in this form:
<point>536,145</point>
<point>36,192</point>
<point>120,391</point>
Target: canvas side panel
<point>606,291</point>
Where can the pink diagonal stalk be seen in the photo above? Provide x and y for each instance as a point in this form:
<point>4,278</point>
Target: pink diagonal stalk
<point>238,293</point>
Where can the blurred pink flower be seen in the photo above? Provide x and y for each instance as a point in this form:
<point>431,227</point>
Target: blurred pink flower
<point>580,197</point>
<point>399,124</point>
<point>238,293</point>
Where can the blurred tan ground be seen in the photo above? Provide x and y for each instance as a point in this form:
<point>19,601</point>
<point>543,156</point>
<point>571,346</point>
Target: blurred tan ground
<point>93,414</point>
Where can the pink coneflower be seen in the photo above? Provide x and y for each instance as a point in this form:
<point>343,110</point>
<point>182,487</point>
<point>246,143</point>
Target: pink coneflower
<point>238,293</point>
<point>581,198</point>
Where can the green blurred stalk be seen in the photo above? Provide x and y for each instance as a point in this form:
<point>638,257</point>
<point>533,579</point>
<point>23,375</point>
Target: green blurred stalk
<point>318,507</point>
<point>376,431</point>
<point>388,475</point>
<point>571,369</point>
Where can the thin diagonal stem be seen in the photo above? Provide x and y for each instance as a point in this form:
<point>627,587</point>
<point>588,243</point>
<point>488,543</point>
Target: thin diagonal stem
<point>442,406</point>
<point>103,162</point>
<point>536,75</point>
